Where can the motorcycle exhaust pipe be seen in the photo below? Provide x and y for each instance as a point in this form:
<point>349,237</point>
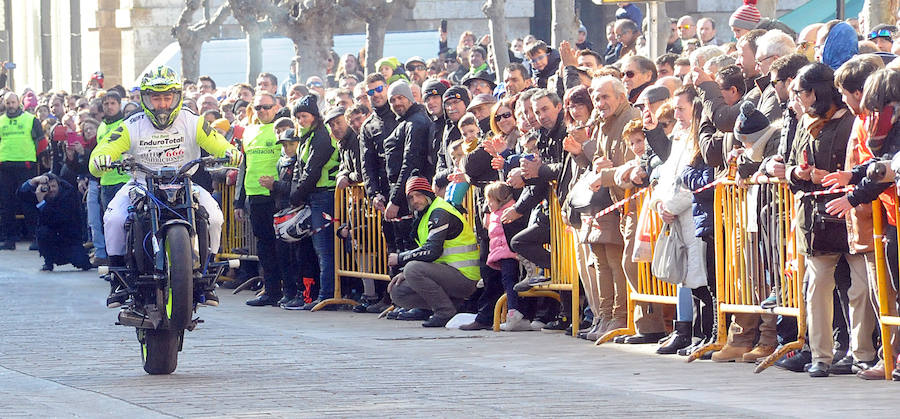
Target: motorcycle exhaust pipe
<point>132,319</point>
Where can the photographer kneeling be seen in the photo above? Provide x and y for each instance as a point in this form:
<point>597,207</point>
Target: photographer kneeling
<point>59,231</point>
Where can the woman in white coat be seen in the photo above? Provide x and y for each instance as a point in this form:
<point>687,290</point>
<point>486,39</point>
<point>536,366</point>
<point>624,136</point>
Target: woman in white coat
<point>672,201</point>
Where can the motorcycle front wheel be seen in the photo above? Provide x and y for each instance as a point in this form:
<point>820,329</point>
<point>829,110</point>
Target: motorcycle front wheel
<point>178,294</point>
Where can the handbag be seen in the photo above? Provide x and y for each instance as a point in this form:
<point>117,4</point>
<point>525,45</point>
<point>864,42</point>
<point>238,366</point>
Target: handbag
<point>584,200</point>
<point>828,233</point>
<point>669,255</point>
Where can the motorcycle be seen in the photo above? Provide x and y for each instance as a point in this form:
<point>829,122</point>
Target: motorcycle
<point>167,268</point>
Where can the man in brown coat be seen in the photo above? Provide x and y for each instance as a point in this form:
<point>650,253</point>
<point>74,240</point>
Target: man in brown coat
<point>612,107</point>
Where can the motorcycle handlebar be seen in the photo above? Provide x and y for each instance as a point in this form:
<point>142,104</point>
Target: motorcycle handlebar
<point>130,164</point>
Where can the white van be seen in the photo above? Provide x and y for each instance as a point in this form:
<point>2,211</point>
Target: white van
<point>225,60</point>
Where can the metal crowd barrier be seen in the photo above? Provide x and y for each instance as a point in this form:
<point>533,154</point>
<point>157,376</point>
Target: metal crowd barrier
<point>563,270</point>
<point>649,289</point>
<point>238,241</point>
<point>368,248</point>
<point>886,308</point>
<point>756,254</point>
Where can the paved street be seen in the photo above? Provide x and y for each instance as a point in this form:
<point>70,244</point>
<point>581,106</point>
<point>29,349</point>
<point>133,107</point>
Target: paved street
<point>62,356</point>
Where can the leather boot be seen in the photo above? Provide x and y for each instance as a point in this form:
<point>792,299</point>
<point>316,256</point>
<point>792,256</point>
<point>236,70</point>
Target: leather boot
<point>681,338</point>
<point>730,353</point>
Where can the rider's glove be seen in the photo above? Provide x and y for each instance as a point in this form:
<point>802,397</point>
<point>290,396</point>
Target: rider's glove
<point>102,162</point>
<point>235,156</point>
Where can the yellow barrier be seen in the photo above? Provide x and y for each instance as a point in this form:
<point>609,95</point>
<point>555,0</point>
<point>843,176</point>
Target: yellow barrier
<point>741,261</point>
<point>888,316</point>
<point>235,234</point>
<point>563,269</point>
<point>649,289</point>
<point>369,251</point>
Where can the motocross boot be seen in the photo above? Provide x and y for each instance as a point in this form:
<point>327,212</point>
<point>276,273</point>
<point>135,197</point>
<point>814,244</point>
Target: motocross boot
<point>117,293</point>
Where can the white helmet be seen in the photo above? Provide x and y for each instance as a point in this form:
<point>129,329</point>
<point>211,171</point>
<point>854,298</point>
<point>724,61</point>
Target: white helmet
<point>293,224</point>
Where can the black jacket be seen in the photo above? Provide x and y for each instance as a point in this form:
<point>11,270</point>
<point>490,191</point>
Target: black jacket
<point>61,214</point>
<point>307,174</point>
<point>281,189</point>
<point>377,127</point>
<point>450,133</point>
<point>408,150</point>
<point>351,163</point>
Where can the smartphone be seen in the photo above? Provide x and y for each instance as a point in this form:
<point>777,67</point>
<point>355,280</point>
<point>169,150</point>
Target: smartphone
<point>10,66</point>
<point>529,157</point>
<point>443,25</point>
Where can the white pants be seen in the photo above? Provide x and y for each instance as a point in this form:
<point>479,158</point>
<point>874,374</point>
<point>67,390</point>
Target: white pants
<point>117,212</point>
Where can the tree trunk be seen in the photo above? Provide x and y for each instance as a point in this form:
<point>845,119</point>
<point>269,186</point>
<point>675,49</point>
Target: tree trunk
<point>495,10</point>
<point>876,12</point>
<point>659,29</point>
<point>314,48</point>
<point>375,32</point>
<point>768,8</point>
<point>190,58</point>
<point>254,52</point>
<point>565,24</point>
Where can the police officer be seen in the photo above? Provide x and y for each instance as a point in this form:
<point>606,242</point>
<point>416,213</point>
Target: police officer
<point>20,132</point>
<point>262,152</point>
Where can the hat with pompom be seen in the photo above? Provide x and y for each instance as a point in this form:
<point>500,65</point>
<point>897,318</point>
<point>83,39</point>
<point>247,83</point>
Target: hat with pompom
<point>751,124</point>
<point>745,17</point>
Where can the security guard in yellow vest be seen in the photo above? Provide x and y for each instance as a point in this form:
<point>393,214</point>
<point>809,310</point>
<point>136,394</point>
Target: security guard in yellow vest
<point>443,270</point>
<point>255,179</point>
<point>315,177</point>
<point>20,132</point>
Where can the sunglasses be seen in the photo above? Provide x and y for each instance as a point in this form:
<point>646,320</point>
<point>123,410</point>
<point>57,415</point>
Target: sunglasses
<point>882,33</point>
<point>261,107</point>
<point>538,58</point>
<point>378,89</point>
<point>416,67</point>
<point>314,84</point>
<point>629,74</point>
<point>684,27</point>
<point>501,116</point>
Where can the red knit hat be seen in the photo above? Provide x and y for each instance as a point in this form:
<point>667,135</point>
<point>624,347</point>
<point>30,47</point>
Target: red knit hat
<point>420,184</point>
<point>746,16</point>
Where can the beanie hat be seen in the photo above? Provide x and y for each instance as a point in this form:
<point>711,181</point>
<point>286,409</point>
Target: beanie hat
<point>457,92</point>
<point>307,104</point>
<point>433,87</point>
<point>401,88</point>
<point>419,184</point>
<point>751,124</point>
<point>630,11</point>
<point>840,45</point>
<point>391,62</point>
<point>746,16</point>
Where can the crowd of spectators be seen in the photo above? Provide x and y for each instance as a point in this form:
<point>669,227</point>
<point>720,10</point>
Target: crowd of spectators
<point>813,109</point>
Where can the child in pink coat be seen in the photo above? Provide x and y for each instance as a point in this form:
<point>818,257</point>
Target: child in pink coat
<point>500,197</point>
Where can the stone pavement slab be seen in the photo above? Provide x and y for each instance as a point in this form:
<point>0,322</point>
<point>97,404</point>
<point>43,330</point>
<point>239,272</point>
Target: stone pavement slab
<point>62,356</point>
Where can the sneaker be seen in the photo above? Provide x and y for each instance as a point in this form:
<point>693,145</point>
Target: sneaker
<point>794,361</point>
<point>537,325</point>
<point>770,302</point>
<point>263,300</point>
<point>210,299</point>
<point>529,283</point>
<point>294,304</point>
<point>515,322</point>
<point>309,306</point>
<point>556,326</point>
<point>117,296</point>
<point>284,299</point>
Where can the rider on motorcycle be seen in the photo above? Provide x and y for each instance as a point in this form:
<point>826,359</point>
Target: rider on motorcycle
<point>160,136</point>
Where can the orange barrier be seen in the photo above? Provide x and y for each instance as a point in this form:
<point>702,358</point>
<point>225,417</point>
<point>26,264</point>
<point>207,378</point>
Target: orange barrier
<point>886,305</point>
<point>563,269</point>
<point>649,289</point>
<point>744,259</point>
